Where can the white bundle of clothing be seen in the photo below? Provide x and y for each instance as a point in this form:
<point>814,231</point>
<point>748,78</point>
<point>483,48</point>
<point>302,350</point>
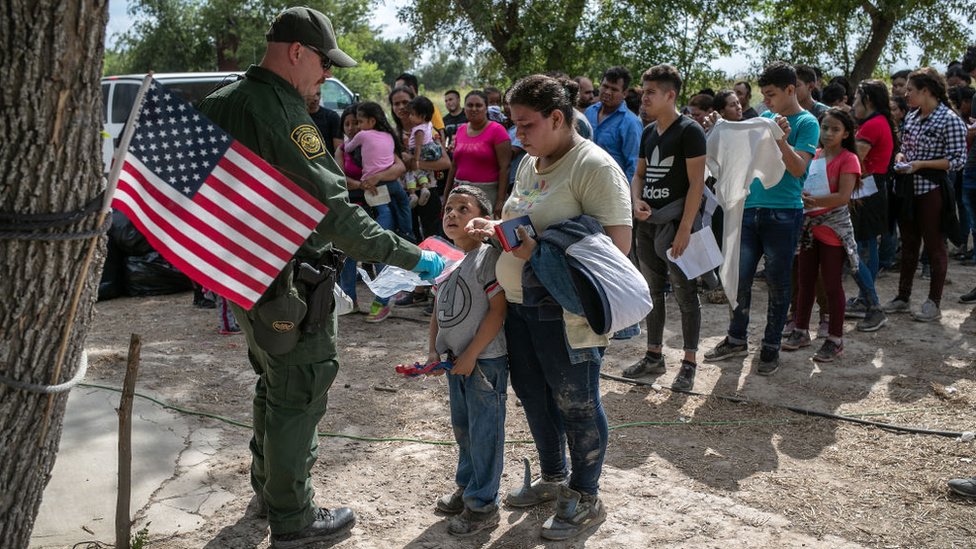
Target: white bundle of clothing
<point>736,154</point>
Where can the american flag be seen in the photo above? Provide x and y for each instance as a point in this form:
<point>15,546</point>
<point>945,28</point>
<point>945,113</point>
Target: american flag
<point>212,208</point>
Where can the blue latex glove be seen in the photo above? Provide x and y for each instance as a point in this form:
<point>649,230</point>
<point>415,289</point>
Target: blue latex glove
<point>429,266</point>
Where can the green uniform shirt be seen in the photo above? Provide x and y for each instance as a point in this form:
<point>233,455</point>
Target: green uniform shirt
<point>268,116</point>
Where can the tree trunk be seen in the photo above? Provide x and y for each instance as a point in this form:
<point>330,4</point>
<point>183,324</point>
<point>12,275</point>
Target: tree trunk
<point>50,161</point>
<point>881,25</point>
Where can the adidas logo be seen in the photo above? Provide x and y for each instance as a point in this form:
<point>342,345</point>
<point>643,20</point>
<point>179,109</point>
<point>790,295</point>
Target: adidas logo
<point>657,168</point>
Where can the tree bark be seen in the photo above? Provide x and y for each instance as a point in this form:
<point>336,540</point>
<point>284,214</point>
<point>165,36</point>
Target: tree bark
<point>881,26</point>
<point>50,161</point>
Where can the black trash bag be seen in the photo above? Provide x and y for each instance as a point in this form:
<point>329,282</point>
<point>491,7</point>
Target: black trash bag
<point>112,284</point>
<point>150,274</point>
<point>127,237</point>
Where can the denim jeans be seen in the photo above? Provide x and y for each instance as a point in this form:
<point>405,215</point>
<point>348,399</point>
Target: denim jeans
<point>887,249</point>
<point>347,278</point>
<point>867,270</point>
<point>400,210</point>
<point>560,392</point>
<point>478,419</point>
<point>969,202</point>
<point>384,218</point>
<point>773,233</point>
<point>656,271</point>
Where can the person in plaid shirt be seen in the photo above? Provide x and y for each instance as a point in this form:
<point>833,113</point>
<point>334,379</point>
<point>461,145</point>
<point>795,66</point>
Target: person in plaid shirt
<point>933,143</point>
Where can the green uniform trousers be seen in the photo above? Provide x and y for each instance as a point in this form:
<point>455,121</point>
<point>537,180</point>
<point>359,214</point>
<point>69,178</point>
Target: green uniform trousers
<point>290,399</point>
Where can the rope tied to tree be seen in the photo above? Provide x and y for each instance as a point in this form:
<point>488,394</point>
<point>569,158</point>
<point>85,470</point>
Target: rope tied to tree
<point>21,226</point>
<point>50,389</point>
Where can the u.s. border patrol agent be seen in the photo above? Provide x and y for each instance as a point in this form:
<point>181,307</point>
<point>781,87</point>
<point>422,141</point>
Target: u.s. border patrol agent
<point>291,331</point>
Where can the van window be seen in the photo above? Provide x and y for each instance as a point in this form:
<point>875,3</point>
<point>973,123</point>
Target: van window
<point>334,96</point>
<point>193,92</point>
<point>122,100</point>
<point>105,88</point>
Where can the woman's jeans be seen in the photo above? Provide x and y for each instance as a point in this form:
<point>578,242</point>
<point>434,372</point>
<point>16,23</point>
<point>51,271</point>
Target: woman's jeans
<point>399,210</point>
<point>478,419</point>
<point>773,233</point>
<point>560,392</point>
<point>385,219</point>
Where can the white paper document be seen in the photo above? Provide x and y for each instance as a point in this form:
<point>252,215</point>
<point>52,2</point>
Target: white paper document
<point>816,183</point>
<point>701,255</point>
<point>868,187</point>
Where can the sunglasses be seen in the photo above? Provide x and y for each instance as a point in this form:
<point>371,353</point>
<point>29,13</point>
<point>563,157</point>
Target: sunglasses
<point>323,58</point>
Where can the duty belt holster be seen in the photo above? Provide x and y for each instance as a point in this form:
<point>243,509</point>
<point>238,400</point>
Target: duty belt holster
<point>317,278</point>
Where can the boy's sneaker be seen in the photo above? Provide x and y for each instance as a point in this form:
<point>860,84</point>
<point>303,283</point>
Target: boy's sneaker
<point>969,297</point>
<point>575,513</point>
<point>896,305</point>
<point>452,503</point>
<point>796,340</point>
<point>469,522</point>
<point>963,486</point>
<point>645,366</point>
<point>424,197</point>
<point>539,491</point>
<point>855,308</point>
<point>829,351</point>
<point>411,298</point>
<point>326,525</point>
<point>379,312</point>
<point>726,349</point>
<point>768,361</point>
<point>686,376</point>
<point>413,201</point>
<point>873,321</point>
<point>928,312</point>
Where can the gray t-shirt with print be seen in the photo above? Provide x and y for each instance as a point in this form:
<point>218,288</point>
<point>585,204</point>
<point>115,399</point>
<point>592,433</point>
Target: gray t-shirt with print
<point>462,303</point>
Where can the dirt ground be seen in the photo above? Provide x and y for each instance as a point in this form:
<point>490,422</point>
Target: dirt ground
<point>681,471</point>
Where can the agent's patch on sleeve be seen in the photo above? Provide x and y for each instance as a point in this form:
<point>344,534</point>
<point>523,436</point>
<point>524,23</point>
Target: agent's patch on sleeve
<point>307,138</point>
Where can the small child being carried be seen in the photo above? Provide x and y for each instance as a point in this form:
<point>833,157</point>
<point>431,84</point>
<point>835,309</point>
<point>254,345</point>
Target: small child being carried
<point>423,147</point>
<point>469,312</point>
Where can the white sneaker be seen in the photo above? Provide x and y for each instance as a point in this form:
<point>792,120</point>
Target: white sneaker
<point>424,197</point>
<point>929,312</point>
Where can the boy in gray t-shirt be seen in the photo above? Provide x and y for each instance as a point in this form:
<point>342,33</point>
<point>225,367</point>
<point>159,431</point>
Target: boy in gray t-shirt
<point>467,325</point>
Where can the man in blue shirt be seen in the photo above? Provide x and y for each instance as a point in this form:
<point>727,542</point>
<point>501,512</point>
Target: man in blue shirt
<point>615,128</point>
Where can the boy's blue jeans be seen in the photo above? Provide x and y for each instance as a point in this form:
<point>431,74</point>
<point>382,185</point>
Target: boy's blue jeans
<point>560,392</point>
<point>478,419</point>
<point>770,232</point>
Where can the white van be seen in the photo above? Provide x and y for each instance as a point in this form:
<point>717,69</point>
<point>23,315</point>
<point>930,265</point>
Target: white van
<point>119,93</point>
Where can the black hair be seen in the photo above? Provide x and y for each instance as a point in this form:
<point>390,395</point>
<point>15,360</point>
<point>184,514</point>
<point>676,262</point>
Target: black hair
<point>833,93</point>
<point>876,92</point>
<point>399,89</point>
<point>806,73</point>
<point>849,142</point>
<point>901,74</point>
<point>664,73</point>
<point>958,72</point>
<point>930,79</point>
<point>706,91</point>
<point>969,60</point>
<point>545,94</point>
<point>422,106</point>
<point>632,97</point>
<point>901,103</point>
<point>373,110</point>
<point>722,98</point>
<point>477,194</point>
<point>959,95</point>
<point>479,93</point>
<point>348,111</point>
<point>492,89</point>
<point>573,90</point>
<point>747,85</point>
<point>410,80</point>
<point>617,73</point>
<point>779,74</point>
<point>701,101</point>
<point>455,92</point>
<point>848,89</point>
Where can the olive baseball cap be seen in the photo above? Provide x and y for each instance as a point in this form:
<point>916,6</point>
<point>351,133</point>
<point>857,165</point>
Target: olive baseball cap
<point>277,327</point>
<point>310,28</point>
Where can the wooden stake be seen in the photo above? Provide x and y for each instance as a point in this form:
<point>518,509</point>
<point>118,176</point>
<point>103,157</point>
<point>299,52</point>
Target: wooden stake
<point>123,521</point>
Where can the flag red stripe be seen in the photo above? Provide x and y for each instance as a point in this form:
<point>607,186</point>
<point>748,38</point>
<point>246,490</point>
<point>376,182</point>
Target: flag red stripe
<point>290,210</point>
<point>173,257</point>
<point>177,234</point>
<point>273,224</point>
<point>269,171</point>
<point>244,229</point>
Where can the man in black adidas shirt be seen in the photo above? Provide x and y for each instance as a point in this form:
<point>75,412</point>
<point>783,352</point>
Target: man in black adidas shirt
<point>667,196</point>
